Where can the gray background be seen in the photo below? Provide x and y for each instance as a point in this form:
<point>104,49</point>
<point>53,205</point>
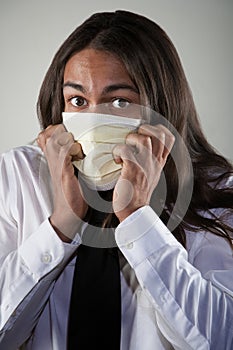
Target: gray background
<point>31,31</point>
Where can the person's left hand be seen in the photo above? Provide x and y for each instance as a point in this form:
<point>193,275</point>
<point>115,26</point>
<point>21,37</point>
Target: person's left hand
<point>143,157</point>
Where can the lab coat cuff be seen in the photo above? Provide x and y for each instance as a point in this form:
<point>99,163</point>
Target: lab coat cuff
<point>43,251</point>
<point>142,234</point>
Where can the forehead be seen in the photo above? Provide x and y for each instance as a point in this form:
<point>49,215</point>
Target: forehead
<point>95,63</point>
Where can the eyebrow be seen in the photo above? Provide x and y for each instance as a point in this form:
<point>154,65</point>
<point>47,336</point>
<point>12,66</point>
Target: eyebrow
<point>75,86</point>
<point>108,89</point>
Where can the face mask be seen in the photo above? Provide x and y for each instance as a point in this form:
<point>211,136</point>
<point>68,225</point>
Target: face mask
<point>98,134</point>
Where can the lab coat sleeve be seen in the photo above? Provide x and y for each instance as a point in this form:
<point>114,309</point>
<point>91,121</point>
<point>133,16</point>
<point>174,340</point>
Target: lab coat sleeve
<point>194,310</point>
<point>30,262</point>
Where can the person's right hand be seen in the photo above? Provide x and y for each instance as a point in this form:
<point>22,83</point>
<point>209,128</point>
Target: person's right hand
<point>69,206</point>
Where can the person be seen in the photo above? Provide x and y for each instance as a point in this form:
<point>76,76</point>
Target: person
<point>173,273</point>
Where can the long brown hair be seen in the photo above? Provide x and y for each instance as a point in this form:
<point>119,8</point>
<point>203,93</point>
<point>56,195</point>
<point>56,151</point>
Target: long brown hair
<point>155,68</point>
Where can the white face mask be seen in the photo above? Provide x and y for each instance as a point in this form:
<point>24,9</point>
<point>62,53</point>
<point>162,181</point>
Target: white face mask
<point>98,134</point>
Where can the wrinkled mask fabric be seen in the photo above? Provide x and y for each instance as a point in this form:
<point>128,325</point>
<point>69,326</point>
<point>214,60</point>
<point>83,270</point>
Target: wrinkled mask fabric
<point>98,134</point>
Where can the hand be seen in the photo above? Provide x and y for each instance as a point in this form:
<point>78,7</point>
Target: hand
<point>143,157</point>
<point>60,150</point>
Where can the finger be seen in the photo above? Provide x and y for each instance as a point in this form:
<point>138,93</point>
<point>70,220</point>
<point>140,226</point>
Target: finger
<point>76,151</point>
<point>162,139</point>
<point>64,138</point>
<point>123,153</point>
<point>141,144</point>
<point>69,150</point>
<point>46,134</point>
<point>159,131</point>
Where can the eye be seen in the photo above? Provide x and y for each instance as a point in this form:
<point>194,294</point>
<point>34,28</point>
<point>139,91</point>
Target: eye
<point>120,103</point>
<point>78,101</point>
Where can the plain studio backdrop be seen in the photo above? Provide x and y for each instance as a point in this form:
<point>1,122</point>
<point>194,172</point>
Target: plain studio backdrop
<point>31,31</point>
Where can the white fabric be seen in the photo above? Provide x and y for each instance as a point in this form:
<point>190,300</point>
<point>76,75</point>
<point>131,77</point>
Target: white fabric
<point>98,134</point>
<point>171,298</point>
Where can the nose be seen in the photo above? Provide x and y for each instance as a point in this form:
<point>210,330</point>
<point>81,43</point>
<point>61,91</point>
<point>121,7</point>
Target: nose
<point>101,108</point>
